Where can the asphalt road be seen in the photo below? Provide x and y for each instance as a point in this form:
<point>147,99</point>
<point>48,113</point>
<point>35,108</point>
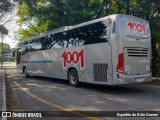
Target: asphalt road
<point>48,94</point>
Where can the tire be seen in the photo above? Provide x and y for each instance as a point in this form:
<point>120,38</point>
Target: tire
<point>25,72</point>
<point>73,78</point>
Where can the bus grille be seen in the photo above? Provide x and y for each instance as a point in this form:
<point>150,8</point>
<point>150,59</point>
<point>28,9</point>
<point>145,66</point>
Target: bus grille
<point>137,52</point>
<point>100,72</point>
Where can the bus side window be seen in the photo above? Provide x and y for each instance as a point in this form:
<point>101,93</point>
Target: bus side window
<point>114,27</point>
<point>32,46</point>
<point>92,34</point>
<point>81,35</point>
<point>35,45</point>
<point>47,42</point>
<point>80,42</point>
<point>69,38</point>
<point>97,33</point>
<point>57,41</point>
<point>51,42</point>
<point>25,48</point>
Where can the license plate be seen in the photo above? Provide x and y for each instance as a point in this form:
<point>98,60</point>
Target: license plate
<point>139,79</point>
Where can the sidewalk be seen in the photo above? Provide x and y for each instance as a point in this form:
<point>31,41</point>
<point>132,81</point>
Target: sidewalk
<point>8,65</point>
<point>2,92</point>
<point>1,89</point>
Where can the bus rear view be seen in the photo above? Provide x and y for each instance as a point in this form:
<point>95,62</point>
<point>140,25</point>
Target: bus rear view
<point>133,56</point>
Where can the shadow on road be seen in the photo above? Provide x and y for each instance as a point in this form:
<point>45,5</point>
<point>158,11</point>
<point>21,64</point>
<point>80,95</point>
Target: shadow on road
<point>119,89</point>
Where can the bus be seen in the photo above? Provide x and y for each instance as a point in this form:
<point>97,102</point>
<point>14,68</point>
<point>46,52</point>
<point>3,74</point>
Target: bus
<point>112,50</point>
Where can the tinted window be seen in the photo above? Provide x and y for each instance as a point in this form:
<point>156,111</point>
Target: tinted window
<point>88,34</point>
<point>91,34</point>
<point>25,47</point>
<point>36,44</point>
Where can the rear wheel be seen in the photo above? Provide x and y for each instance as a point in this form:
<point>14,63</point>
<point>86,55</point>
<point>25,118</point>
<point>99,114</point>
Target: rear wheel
<point>73,78</point>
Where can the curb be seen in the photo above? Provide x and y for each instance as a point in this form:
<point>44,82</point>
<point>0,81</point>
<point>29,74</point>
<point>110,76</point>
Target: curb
<point>4,108</point>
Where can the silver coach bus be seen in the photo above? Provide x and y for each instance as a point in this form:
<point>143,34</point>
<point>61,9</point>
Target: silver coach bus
<point>112,50</point>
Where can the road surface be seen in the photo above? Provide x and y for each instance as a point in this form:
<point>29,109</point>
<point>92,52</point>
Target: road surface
<point>48,94</point>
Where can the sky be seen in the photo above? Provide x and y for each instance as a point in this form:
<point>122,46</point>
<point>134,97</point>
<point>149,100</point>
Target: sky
<point>9,39</point>
<point>12,27</point>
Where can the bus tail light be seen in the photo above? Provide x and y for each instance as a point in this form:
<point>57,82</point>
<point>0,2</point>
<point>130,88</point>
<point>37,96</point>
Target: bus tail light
<point>120,65</point>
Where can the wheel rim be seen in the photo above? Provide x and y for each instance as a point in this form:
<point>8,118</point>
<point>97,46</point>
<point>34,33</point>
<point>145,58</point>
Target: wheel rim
<point>73,78</point>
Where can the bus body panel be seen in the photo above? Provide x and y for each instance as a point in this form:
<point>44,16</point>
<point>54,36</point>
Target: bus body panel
<point>134,43</point>
<point>97,63</point>
<point>49,63</point>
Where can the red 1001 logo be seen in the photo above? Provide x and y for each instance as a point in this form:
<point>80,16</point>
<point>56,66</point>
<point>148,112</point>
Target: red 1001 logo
<point>73,57</point>
<point>137,27</point>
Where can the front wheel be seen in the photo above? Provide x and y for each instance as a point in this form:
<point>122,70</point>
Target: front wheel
<point>25,72</point>
<point>73,78</point>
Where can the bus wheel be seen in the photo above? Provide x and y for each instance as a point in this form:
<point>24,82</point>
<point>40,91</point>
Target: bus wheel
<point>25,72</point>
<point>73,78</point>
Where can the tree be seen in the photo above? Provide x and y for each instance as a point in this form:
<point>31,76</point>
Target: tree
<point>5,7</point>
<point>42,15</point>
<point>5,46</point>
<point>3,31</point>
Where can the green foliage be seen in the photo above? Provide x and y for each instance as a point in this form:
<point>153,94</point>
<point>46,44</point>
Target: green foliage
<point>37,16</point>
<point>41,15</point>
<point>3,30</point>
<point>5,46</point>
<point>5,6</point>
